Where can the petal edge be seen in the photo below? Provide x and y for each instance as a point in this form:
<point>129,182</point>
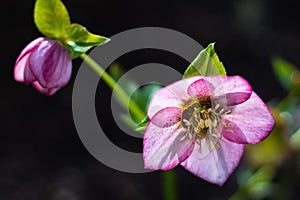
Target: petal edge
<point>252,120</point>
<point>217,166</point>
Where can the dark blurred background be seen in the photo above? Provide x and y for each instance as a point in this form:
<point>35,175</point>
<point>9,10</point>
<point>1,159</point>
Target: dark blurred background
<point>41,154</point>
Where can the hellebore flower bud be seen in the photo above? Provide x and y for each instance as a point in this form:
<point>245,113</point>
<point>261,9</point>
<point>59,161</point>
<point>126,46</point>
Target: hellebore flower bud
<point>45,64</point>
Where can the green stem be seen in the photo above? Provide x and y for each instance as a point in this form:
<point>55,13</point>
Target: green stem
<point>133,107</point>
<point>168,176</point>
<point>169,185</point>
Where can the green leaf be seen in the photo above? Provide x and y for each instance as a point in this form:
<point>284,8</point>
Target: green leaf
<point>51,18</point>
<point>284,72</point>
<point>206,63</point>
<point>80,40</point>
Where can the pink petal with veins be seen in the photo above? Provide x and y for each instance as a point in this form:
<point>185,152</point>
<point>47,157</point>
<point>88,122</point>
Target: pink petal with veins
<point>217,166</point>
<point>44,63</point>
<point>229,90</point>
<point>51,64</point>
<point>200,88</point>
<point>20,68</point>
<point>252,121</point>
<point>164,148</point>
<point>23,59</point>
<point>30,48</point>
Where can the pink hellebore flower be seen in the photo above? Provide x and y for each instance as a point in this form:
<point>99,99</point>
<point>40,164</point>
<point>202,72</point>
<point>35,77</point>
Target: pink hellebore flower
<point>203,123</point>
<point>44,63</point>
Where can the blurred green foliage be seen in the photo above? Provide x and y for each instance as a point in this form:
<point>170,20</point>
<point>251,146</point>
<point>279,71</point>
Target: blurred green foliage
<point>141,95</point>
<point>280,152</point>
<point>255,184</point>
<point>285,72</point>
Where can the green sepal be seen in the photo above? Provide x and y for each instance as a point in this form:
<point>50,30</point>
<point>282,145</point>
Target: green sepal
<point>51,18</point>
<point>80,40</point>
<point>206,63</point>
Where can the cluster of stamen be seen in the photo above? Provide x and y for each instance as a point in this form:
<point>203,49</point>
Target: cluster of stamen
<point>204,123</point>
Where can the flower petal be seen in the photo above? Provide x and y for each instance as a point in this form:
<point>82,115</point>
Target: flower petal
<point>20,68</point>
<point>28,76</point>
<point>229,90</point>
<point>51,64</point>
<point>200,88</point>
<point>52,91</point>
<point>46,91</point>
<point>40,88</point>
<point>30,48</point>
<point>170,96</point>
<point>164,148</point>
<point>252,121</point>
<point>218,164</point>
<point>167,117</point>
<point>23,58</point>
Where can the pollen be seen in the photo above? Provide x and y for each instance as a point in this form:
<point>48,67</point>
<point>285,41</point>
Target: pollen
<point>204,123</point>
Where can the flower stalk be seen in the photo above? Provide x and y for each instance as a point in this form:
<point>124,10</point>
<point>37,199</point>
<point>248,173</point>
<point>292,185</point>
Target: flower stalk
<point>169,185</point>
<point>168,177</point>
<point>131,105</point>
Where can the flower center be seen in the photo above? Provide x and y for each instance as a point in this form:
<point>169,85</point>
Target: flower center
<point>204,123</point>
